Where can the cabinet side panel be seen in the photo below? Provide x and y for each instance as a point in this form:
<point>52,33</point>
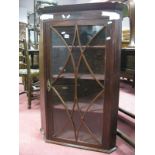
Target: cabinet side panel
<point>111,101</point>
<point>42,78</point>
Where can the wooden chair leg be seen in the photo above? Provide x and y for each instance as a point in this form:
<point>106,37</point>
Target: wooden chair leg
<point>24,83</point>
<point>133,84</point>
<point>29,101</point>
<point>29,93</point>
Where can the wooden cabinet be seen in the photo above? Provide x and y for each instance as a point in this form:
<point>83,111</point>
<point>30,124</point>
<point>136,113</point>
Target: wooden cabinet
<point>79,75</point>
<point>128,64</point>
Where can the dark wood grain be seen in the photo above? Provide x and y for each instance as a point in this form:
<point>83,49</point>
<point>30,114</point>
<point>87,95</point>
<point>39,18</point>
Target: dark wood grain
<point>82,7</point>
<point>43,77</point>
<point>109,83</point>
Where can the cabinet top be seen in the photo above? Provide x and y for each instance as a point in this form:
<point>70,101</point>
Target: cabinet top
<point>108,6</point>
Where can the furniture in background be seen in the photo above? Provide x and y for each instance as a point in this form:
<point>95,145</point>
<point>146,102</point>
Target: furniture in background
<point>125,38</point>
<point>128,60</point>
<point>79,75</point>
<point>22,58</point>
<point>128,46</point>
<point>23,64</point>
<point>27,73</point>
<point>34,58</point>
<point>33,26</point>
<point>128,64</point>
<point>22,30</point>
<point>33,32</point>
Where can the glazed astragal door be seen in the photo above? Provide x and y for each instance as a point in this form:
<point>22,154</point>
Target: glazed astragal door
<point>79,74</point>
<point>76,82</point>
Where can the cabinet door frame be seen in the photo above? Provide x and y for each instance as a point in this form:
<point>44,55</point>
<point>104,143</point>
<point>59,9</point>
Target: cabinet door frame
<point>112,74</point>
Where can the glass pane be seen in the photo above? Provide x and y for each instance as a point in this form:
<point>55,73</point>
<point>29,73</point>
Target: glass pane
<point>78,82</point>
<point>95,58</point>
<point>91,109</point>
<point>67,34</point>
<point>62,100</point>
<point>92,35</point>
<point>59,55</point>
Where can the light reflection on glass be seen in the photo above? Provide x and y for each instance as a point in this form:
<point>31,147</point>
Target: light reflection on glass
<point>46,16</point>
<point>111,15</point>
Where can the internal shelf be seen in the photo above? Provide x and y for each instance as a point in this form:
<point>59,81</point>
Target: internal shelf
<point>97,46</point>
<point>97,107</point>
<point>80,76</point>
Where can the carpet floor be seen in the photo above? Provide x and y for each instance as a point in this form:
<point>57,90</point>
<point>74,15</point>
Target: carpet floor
<point>31,141</point>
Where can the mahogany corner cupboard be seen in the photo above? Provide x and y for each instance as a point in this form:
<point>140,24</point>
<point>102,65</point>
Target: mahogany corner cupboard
<point>79,74</point>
